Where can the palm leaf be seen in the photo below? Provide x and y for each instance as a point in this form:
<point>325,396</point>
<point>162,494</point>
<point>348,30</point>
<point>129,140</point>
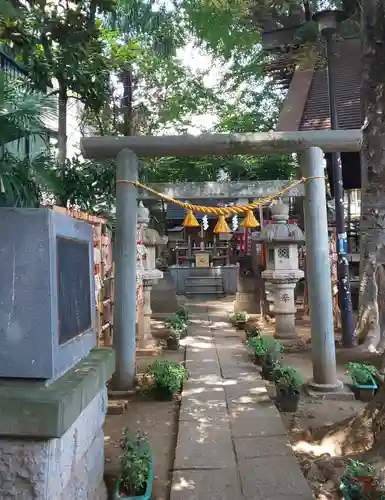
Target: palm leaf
<point>23,111</point>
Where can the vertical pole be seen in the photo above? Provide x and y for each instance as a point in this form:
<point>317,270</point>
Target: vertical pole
<point>318,273</point>
<point>345,299</point>
<point>124,341</point>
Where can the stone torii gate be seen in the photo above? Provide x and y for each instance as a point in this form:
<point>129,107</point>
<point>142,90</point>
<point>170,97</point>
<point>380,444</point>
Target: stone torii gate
<point>310,145</point>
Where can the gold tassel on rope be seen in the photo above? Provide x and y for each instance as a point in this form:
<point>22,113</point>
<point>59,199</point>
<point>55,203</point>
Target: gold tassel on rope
<point>250,221</point>
<point>190,220</point>
<point>221,226</point>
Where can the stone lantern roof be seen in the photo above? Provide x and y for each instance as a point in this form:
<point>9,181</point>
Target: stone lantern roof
<point>280,231</point>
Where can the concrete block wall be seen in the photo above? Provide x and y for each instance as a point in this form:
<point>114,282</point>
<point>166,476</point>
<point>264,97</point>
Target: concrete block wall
<point>67,468</point>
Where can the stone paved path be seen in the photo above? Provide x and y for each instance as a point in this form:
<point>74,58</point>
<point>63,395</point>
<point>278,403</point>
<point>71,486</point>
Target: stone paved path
<point>231,442</point>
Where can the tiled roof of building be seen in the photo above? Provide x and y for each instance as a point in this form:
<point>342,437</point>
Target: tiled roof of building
<point>316,114</point>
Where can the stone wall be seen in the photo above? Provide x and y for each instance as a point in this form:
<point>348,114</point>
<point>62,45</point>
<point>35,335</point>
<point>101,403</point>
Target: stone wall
<point>67,468</point>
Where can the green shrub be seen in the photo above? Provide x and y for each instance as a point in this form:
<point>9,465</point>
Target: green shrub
<point>362,374</point>
<point>167,375</point>
<point>258,345</point>
<point>135,463</point>
<point>273,351</point>
<point>254,331</point>
<point>176,322</point>
<point>240,317</point>
<point>360,481</point>
<point>288,379</point>
<point>182,314</point>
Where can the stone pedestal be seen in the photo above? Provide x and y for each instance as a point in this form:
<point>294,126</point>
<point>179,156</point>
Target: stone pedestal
<point>248,296</point>
<point>150,278</point>
<point>284,310</point>
<point>51,438</point>
<point>163,297</point>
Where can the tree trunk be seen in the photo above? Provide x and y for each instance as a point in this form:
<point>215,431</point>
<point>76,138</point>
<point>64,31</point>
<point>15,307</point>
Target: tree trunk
<point>372,225</point>
<point>128,128</point>
<point>62,140</point>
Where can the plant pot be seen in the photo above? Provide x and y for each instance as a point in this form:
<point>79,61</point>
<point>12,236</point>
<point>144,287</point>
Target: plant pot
<point>147,493</point>
<point>162,394</point>
<point>183,333</point>
<point>288,402</point>
<point>241,325</point>
<point>258,359</point>
<point>173,344</point>
<point>364,393</point>
<point>268,372</point>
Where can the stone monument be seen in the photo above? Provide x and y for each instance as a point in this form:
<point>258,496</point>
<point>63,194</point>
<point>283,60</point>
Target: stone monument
<point>150,275</point>
<point>164,300</point>
<point>53,395</point>
<point>282,271</point>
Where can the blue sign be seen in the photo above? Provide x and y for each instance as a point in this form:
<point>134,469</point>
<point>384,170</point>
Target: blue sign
<point>342,243</point>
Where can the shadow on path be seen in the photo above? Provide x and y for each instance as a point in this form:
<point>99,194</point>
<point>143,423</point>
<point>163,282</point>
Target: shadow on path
<point>231,442</point>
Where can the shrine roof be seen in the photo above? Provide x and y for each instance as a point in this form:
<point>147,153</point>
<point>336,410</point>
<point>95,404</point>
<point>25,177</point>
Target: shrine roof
<point>306,106</point>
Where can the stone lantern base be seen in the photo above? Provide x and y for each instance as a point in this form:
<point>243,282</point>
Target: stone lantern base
<point>283,303</point>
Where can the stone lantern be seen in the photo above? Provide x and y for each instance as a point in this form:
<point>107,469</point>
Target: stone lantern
<point>150,275</point>
<point>281,242</point>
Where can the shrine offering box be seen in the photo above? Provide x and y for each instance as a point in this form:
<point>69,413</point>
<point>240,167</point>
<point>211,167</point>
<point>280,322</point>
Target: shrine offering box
<point>47,300</point>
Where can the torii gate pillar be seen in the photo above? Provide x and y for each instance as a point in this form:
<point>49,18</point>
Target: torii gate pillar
<point>124,342</point>
<point>318,273</point>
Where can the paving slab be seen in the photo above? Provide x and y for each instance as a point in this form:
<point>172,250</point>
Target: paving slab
<point>252,447</point>
<point>207,380</point>
<point>201,355</point>
<point>245,426</point>
<point>276,496</point>
<point>204,445</point>
<point>240,371</point>
<point>205,485</point>
<point>203,402</point>
<point>269,477</point>
<point>203,370</point>
<point>232,444</point>
<point>255,391</point>
<point>253,412</point>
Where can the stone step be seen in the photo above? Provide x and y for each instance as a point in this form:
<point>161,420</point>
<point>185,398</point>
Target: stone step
<point>204,290</point>
<point>204,282</point>
<point>194,279</point>
<point>206,293</point>
<point>205,271</point>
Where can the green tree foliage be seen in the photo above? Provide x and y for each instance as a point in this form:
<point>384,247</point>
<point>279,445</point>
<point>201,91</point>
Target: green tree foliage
<point>252,108</point>
<point>62,46</point>
<point>158,89</point>
<point>23,113</point>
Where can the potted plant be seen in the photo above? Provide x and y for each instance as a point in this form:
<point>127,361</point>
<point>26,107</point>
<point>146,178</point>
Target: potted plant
<point>363,377</point>
<point>173,339</point>
<point>177,322</point>
<point>253,331</point>
<point>167,378</point>
<point>272,358</point>
<point>137,469</point>
<point>288,383</point>
<point>240,319</point>
<point>360,482</point>
<point>182,313</point>
<point>258,346</point>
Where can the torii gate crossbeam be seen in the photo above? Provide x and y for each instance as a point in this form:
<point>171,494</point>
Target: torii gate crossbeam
<point>310,145</point>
